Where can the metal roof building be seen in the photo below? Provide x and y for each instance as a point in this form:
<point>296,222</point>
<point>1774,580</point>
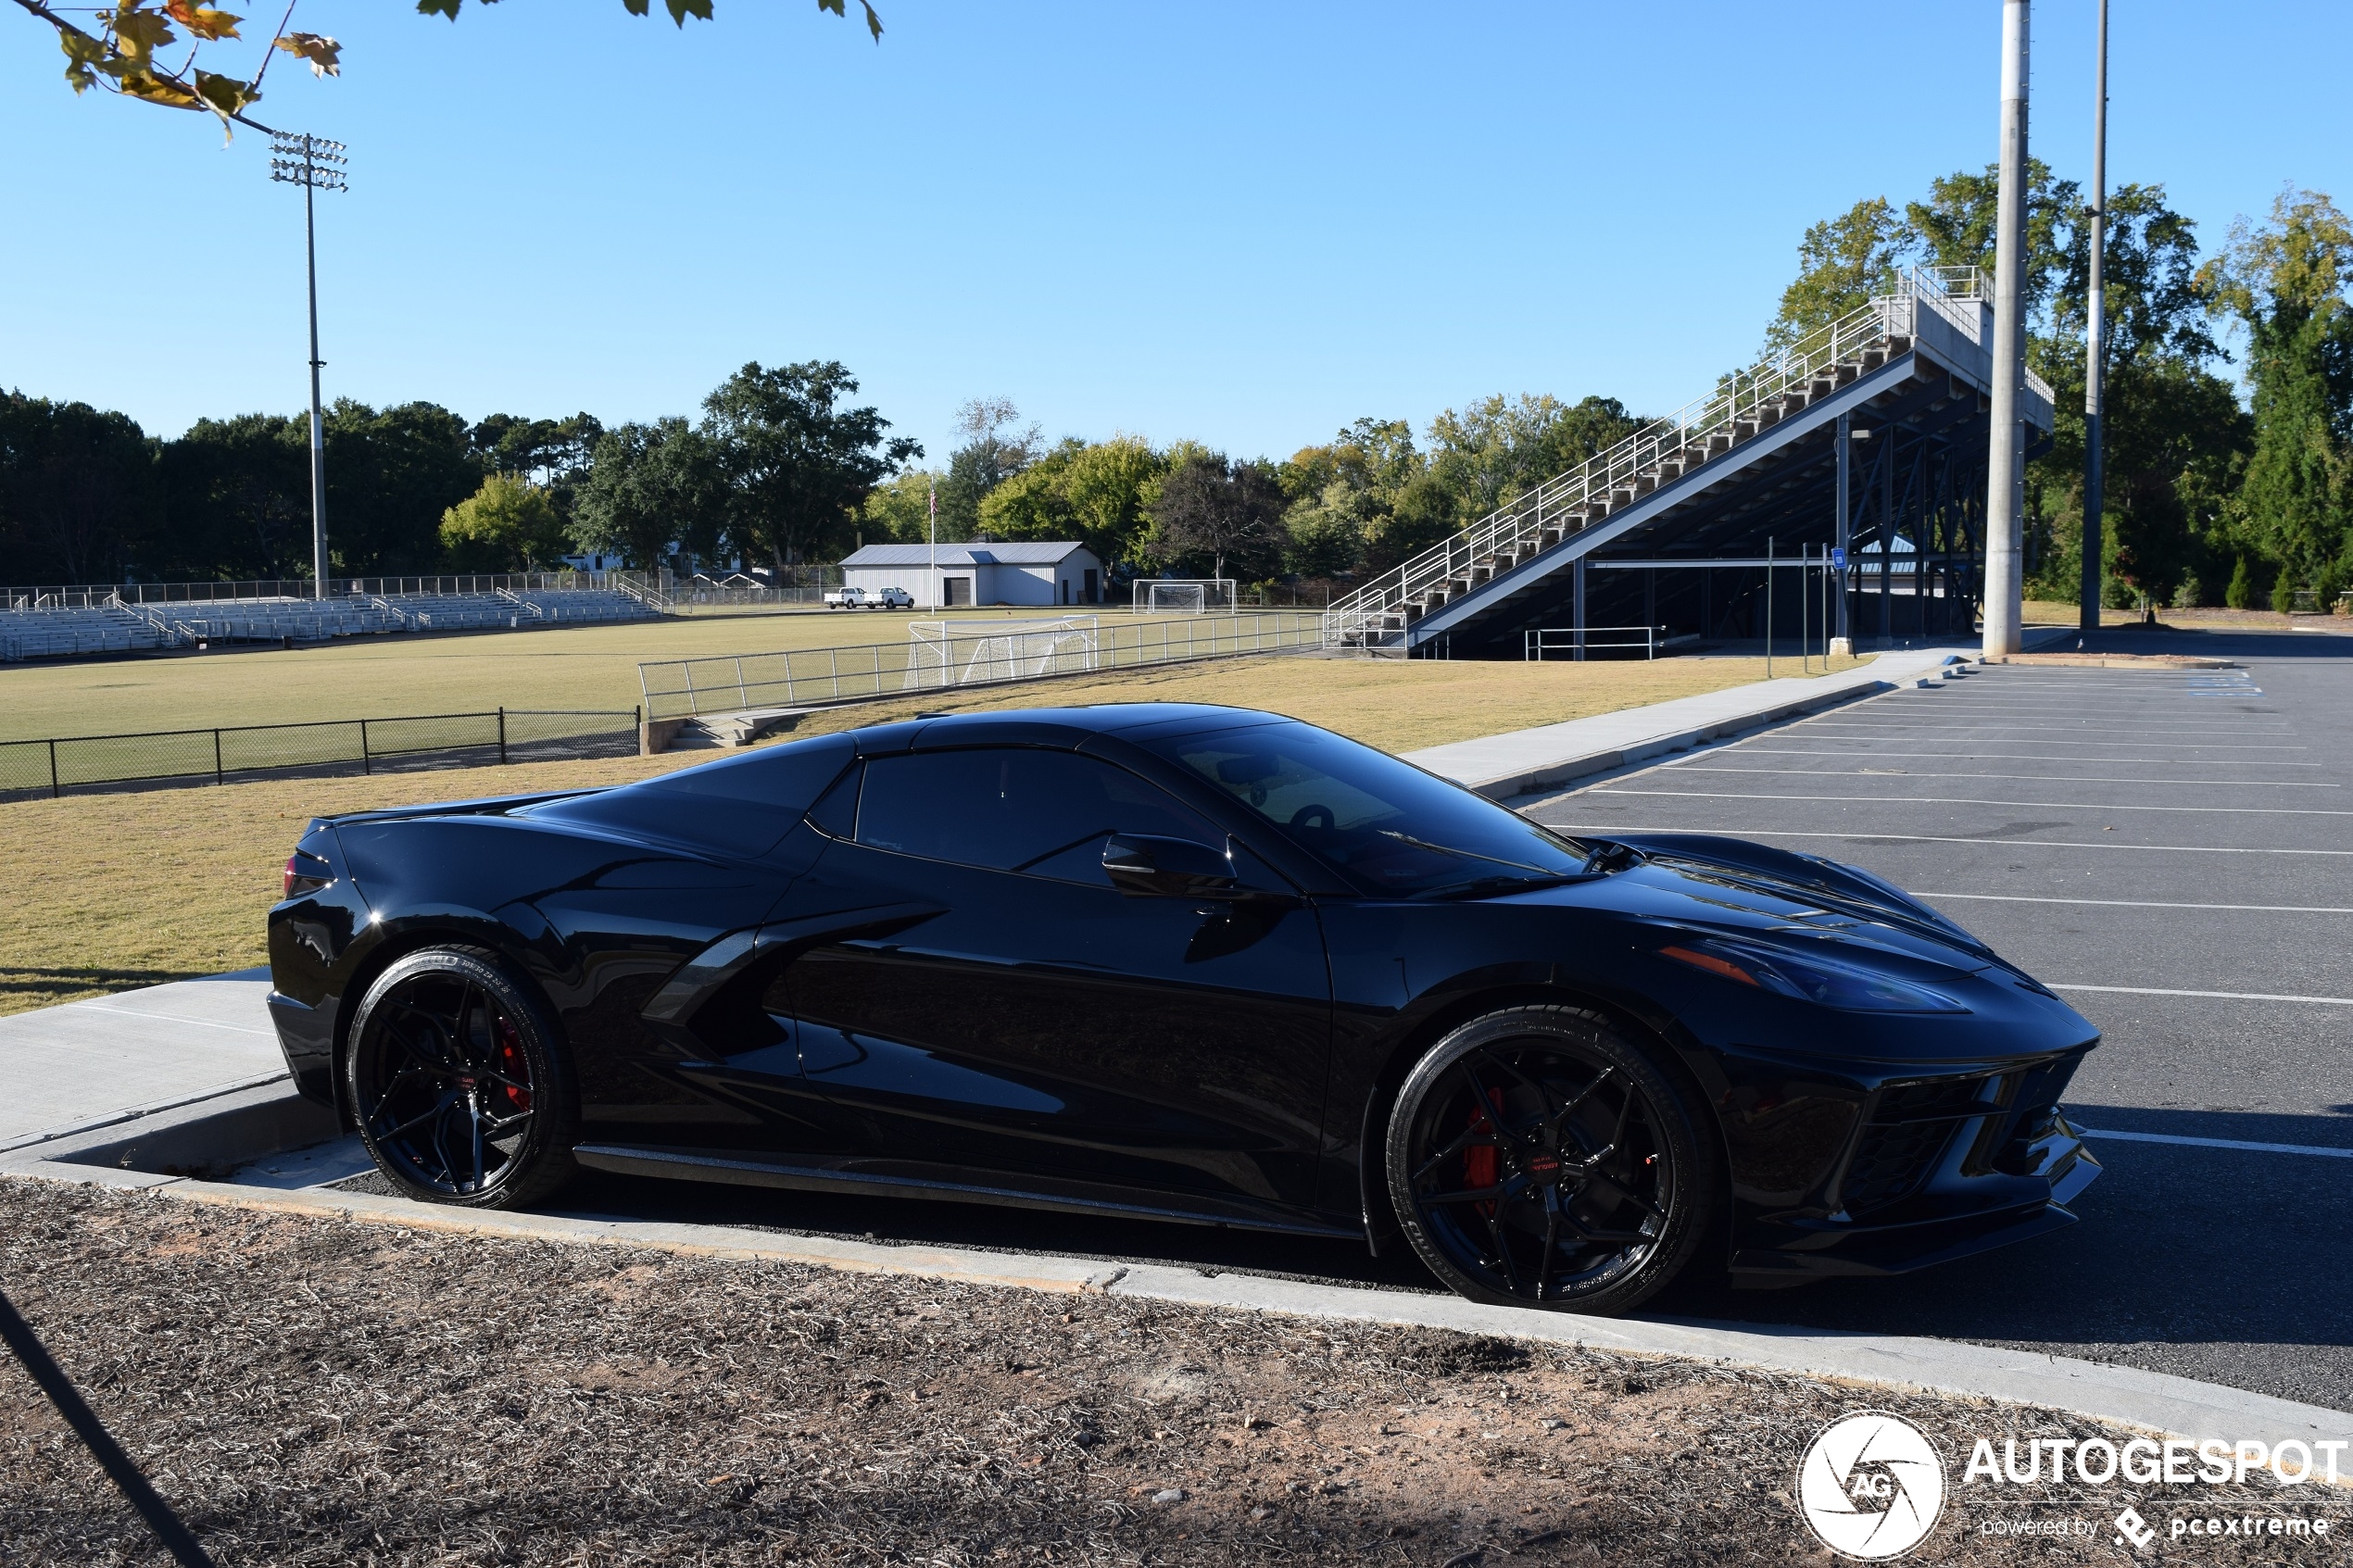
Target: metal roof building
<point>1045,572</point>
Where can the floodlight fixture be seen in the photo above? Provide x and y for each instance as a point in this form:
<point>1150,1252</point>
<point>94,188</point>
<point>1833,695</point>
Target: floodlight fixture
<point>315,163</point>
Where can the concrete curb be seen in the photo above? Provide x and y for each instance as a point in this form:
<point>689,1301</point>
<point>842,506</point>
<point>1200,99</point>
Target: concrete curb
<point>1568,769</point>
<point>2150,1401</point>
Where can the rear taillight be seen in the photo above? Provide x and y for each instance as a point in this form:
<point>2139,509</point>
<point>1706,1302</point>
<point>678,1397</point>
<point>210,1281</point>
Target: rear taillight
<point>306,873</point>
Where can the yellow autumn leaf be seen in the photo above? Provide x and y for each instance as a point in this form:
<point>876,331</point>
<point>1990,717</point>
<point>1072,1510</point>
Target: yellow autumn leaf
<point>150,88</point>
<point>204,23</point>
<point>137,33</point>
<point>323,53</point>
<point>224,96</point>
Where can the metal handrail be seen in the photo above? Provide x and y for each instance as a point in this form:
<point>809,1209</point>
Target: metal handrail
<point>1576,641</point>
<point>1616,478</point>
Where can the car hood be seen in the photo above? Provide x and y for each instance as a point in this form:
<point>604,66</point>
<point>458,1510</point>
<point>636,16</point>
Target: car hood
<point>1734,886</point>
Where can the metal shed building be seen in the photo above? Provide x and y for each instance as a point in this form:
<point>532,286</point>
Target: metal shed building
<point>1050,571</point>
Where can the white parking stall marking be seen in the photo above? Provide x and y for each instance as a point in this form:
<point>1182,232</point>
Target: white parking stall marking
<point>1749,749</point>
<point>2092,806</point>
<point>2143,903</point>
<point>2321,1149</point>
<point>1621,828</point>
<point>2210,996</point>
<point>2031,778</point>
<point>1998,727</point>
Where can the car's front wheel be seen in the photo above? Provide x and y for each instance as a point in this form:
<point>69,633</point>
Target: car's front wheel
<point>1537,1156</point>
<point>459,1082</point>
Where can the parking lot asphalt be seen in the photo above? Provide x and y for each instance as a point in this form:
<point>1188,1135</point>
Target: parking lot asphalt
<point>2173,851</point>
<point>2150,832</point>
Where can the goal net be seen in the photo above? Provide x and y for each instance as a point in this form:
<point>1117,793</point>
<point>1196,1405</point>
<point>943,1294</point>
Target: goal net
<point>1185,595</point>
<point>962,653</point>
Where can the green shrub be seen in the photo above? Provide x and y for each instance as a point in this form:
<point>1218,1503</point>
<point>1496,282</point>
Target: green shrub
<point>2240,594</point>
<point>2284,591</point>
<point>2190,594</point>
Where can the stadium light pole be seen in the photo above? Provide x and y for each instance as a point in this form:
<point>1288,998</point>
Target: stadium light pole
<point>2096,349</point>
<point>315,163</point>
<point>2006,452</point>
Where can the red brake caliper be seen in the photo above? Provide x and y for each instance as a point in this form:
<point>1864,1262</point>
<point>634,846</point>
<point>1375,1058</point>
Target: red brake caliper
<point>512,1067</point>
<point>1479,1160</point>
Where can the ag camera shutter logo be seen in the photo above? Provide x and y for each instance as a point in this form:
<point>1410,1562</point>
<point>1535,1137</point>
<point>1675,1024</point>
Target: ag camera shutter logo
<point>1871,1486</point>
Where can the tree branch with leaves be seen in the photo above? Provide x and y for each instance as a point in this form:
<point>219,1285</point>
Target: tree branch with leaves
<point>124,50</point>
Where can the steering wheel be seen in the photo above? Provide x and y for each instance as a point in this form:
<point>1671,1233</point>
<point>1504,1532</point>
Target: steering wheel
<point>1319,817</point>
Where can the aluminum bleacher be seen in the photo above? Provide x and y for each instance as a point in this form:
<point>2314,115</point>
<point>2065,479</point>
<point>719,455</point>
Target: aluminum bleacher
<point>66,623</point>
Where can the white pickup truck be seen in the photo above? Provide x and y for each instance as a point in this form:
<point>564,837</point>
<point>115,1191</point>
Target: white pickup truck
<point>860,598</point>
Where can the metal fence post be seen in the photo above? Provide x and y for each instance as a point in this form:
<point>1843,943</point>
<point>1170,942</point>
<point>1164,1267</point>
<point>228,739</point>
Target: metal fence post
<point>366,766</point>
<point>54,791</point>
<point>216,758</point>
<point>502,735</point>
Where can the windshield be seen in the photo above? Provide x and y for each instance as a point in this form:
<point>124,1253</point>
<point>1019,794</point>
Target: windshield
<point>1391,826</point>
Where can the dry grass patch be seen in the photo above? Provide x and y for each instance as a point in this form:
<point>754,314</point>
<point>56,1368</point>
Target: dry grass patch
<point>1398,704</point>
<point>111,892</point>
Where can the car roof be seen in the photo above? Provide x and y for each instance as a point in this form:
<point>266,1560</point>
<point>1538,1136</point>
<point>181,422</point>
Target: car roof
<point>1056,726</point>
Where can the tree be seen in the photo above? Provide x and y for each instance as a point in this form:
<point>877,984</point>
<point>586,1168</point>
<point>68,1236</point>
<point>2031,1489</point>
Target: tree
<point>119,55</point>
<point>649,488</point>
<point>1211,508</point>
<point>1842,263</point>
<point>1093,492</point>
<point>391,473</point>
<point>797,469</point>
<point>899,511</point>
<point>237,499</point>
<point>992,452</point>
<point>78,495</point>
<point>508,525</point>
<point>2284,283</point>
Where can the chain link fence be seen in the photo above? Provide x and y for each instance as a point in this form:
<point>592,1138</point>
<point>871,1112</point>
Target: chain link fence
<point>238,752</point>
<point>974,653</point>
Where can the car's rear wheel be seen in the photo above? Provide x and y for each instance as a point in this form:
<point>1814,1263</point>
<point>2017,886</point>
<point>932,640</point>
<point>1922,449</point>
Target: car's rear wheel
<point>1537,1156</point>
<point>459,1082</point>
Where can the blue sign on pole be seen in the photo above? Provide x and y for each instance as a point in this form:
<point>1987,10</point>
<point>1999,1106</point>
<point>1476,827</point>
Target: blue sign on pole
<point>1838,557</point>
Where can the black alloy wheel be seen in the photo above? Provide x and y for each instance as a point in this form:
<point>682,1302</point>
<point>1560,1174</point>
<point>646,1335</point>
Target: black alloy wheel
<point>1536,1157</point>
<point>456,1080</point>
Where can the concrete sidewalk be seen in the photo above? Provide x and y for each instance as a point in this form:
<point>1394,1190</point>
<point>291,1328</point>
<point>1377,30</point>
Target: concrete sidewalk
<point>88,1065</point>
<point>1520,761</point>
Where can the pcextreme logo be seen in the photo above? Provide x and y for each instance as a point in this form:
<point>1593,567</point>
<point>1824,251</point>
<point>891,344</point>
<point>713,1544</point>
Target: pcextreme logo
<point>1871,1486</point>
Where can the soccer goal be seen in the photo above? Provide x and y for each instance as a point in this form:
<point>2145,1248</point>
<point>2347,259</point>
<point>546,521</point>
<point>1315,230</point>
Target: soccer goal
<point>1185,595</point>
<point>968,653</point>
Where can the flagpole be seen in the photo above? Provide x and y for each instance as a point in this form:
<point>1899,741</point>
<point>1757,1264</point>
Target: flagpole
<point>932,488</point>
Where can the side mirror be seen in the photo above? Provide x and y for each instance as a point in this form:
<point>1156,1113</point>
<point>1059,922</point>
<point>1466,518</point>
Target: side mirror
<point>1171,868</point>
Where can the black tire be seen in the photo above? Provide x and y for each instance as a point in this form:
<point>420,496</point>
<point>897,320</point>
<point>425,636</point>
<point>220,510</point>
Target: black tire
<point>459,1083</point>
<point>1538,1158</point>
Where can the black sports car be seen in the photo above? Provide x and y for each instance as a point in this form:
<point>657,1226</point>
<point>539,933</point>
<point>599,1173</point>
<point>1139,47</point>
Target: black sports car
<point>1181,963</point>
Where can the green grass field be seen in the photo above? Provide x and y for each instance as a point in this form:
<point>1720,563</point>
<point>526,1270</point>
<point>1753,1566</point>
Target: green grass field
<point>109,892</point>
<point>564,667</point>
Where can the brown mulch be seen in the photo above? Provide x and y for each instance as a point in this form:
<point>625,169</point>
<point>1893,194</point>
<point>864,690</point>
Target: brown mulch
<point>317,1392</point>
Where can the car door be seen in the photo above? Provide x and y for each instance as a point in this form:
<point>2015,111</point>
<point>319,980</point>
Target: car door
<point>1045,1028</point>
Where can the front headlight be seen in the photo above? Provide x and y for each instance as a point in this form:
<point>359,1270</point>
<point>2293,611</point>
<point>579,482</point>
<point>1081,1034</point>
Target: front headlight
<point>1809,978</point>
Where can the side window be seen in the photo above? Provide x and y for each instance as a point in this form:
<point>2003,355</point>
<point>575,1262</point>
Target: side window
<point>1045,813</point>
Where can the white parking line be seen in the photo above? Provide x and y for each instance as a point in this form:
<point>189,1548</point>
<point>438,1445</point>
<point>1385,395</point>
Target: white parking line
<point>2210,996</point>
<point>2092,806</point>
<point>2320,1150</point>
<point>1925,732</point>
<point>1621,828</point>
<point>2034,778</point>
<point>1753,749</point>
<point>2144,903</point>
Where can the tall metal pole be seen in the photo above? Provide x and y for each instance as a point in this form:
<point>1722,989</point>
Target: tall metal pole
<point>314,163</point>
<point>2095,351</point>
<point>2006,453</point>
<point>317,438</point>
<point>1835,629</point>
<point>931,489</point>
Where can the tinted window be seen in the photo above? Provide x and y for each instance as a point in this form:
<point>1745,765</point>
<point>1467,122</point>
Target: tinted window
<point>1392,827</point>
<point>1012,809</point>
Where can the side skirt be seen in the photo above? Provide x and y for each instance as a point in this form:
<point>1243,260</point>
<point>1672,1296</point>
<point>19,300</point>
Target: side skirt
<point>860,1178</point>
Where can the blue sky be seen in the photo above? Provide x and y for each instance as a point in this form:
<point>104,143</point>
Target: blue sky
<point>1244,223</point>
